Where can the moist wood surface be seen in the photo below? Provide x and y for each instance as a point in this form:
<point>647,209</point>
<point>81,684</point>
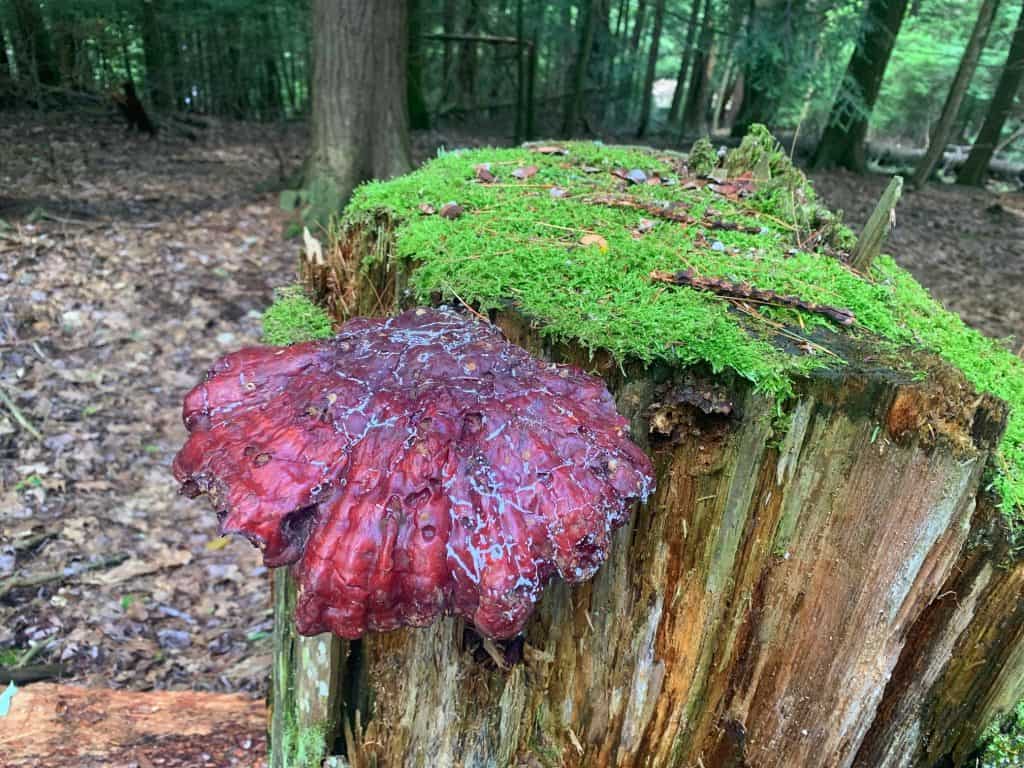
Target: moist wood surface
<point>53,726</point>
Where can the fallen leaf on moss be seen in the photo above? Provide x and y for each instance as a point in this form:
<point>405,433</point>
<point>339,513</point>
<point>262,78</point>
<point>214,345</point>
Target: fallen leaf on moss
<point>451,210</point>
<point>551,150</point>
<point>525,173</point>
<point>427,209</point>
<point>597,240</point>
<point>483,173</point>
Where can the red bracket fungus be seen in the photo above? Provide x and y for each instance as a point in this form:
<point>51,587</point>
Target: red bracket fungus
<point>412,467</point>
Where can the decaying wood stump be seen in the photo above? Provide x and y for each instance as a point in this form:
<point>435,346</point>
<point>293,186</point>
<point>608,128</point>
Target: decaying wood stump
<point>821,581</point>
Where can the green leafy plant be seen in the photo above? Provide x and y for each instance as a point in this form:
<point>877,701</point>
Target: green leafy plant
<point>1002,745</point>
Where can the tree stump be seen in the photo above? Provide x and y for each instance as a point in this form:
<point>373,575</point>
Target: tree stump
<point>821,579</point>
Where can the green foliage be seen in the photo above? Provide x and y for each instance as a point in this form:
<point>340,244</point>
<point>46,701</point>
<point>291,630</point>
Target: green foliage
<point>1003,742</point>
<point>293,318</point>
<point>519,242</point>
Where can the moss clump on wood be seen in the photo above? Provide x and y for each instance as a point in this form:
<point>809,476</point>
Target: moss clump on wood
<point>702,158</point>
<point>544,242</point>
<point>293,318</point>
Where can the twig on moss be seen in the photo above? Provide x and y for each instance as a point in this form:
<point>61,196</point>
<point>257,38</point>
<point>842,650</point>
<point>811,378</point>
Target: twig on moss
<point>670,211</point>
<point>478,315</point>
<point>744,291</point>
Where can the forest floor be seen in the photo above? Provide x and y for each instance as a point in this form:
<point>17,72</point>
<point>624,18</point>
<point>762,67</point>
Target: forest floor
<point>127,266</point>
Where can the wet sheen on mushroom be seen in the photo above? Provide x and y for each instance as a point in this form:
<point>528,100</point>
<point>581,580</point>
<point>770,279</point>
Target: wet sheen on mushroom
<point>413,467</point>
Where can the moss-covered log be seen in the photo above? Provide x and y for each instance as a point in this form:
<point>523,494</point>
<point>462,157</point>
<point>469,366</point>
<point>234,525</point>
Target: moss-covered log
<point>820,579</point>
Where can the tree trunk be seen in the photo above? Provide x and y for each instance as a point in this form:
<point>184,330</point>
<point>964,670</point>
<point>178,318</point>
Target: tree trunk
<point>766,60</point>
<point>695,112</point>
<point>360,125</point>
<point>638,26</point>
<point>652,68</point>
<point>158,84</point>
<point>597,62</point>
<point>466,66</point>
<point>842,143</point>
<point>34,43</point>
<point>684,64</point>
<point>574,108</point>
<point>968,62</point>
<point>803,601</point>
<point>418,117</point>
<point>448,19</point>
<point>974,170</point>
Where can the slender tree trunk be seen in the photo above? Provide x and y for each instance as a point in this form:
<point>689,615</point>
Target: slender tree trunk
<point>35,43</point>
<point>600,54</point>
<point>695,111</point>
<point>418,117</point>
<point>766,63</point>
<point>448,21</point>
<point>629,84</point>
<point>727,88</point>
<point>638,26</point>
<point>968,63</point>
<point>467,57</point>
<point>360,123</point>
<point>574,110</point>
<point>684,64</point>
<point>652,67</point>
<point>842,143</point>
<point>974,170</point>
<point>153,49</point>
<point>66,45</point>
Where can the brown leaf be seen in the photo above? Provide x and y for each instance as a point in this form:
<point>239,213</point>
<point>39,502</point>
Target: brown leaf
<point>525,173</point>
<point>597,240</point>
<point>451,210</point>
<point>427,209</point>
<point>551,150</point>
<point>483,173</point>
<point>133,567</point>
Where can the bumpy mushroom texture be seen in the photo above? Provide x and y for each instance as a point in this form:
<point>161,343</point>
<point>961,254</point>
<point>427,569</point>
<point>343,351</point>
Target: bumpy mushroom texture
<point>413,467</point>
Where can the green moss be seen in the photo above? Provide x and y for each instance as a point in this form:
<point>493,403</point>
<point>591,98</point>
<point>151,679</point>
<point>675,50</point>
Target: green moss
<point>1003,743</point>
<point>702,158</point>
<point>519,242</point>
<point>293,318</point>
<point>304,746</point>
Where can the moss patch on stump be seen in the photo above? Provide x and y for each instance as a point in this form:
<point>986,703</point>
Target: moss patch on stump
<point>569,235</point>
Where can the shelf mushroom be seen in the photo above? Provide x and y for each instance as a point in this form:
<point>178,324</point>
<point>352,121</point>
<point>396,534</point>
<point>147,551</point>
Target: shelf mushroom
<point>413,467</point>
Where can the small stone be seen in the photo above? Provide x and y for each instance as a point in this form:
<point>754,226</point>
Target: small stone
<point>72,319</point>
<point>173,639</point>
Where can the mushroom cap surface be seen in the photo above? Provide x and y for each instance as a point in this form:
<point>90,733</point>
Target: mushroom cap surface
<point>412,467</point>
